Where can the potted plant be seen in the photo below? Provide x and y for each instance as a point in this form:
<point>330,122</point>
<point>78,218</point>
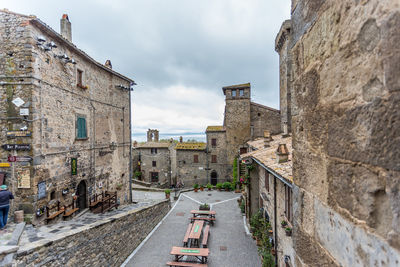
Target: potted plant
<point>227,186</point>
<point>119,186</point>
<point>204,206</point>
<point>283,223</point>
<point>196,187</point>
<point>201,187</point>
<point>167,193</point>
<point>242,206</point>
<point>288,231</point>
<point>209,187</point>
<point>219,186</point>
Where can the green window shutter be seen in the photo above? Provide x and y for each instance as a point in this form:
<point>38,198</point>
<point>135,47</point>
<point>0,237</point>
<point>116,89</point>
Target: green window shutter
<point>81,126</point>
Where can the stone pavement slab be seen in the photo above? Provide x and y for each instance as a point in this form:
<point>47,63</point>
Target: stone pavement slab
<point>228,242</point>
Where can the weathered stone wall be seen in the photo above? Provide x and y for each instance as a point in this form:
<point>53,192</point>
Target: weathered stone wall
<point>262,119</point>
<point>55,102</point>
<point>222,167</point>
<point>346,118</point>
<point>104,243</point>
<point>188,171</point>
<point>163,164</point>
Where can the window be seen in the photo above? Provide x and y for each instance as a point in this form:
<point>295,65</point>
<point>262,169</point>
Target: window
<point>154,151</point>
<point>214,142</point>
<point>213,158</point>
<point>81,132</point>
<point>53,195</point>
<point>241,92</point>
<point>79,75</point>
<point>243,150</point>
<point>267,181</point>
<point>154,163</point>
<point>288,203</point>
<point>195,158</point>
<point>233,93</point>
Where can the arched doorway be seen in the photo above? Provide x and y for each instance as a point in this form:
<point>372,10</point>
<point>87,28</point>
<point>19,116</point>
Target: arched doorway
<point>214,177</point>
<point>81,193</point>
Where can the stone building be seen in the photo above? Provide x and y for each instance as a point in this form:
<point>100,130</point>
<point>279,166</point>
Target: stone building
<point>218,168</point>
<point>153,160</point>
<point>340,61</point>
<point>270,189</point>
<point>65,118</point>
<point>191,163</point>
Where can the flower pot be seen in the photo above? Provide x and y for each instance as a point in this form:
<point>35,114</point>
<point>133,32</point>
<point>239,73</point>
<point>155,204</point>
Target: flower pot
<point>209,189</point>
<point>288,232</point>
<point>258,242</point>
<point>196,189</point>
<point>273,251</point>
<point>167,196</point>
<point>201,188</point>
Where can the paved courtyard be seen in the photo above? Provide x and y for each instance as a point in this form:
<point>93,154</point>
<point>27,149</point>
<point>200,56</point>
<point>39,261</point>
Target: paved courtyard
<point>229,244</point>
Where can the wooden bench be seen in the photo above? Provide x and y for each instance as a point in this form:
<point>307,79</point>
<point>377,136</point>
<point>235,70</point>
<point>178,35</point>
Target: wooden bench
<point>185,263</point>
<point>186,238</point>
<point>70,209</point>
<point>208,219</point>
<point>206,233</point>
<point>53,215</point>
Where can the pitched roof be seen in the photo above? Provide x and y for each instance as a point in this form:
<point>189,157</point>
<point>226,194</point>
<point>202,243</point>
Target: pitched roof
<point>215,129</point>
<point>154,145</point>
<point>190,146</point>
<point>44,27</point>
<point>265,107</point>
<point>267,155</point>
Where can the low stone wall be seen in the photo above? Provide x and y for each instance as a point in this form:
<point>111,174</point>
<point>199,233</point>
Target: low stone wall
<point>105,243</point>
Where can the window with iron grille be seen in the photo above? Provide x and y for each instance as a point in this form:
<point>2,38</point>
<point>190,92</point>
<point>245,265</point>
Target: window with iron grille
<point>213,158</point>
<point>195,158</point>
<point>154,151</point>
<point>213,142</point>
<point>288,203</point>
<point>267,181</point>
<point>154,163</point>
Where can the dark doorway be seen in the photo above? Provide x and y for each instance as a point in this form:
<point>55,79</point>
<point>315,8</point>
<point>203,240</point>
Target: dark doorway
<point>214,178</point>
<point>81,192</point>
<point>154,177</point>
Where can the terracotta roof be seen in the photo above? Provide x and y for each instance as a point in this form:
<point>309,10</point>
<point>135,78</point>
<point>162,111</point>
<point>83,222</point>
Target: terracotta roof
<point>215,129</point>
<point>268,157</point>
<point>153,145</point>
<point>190,146</point>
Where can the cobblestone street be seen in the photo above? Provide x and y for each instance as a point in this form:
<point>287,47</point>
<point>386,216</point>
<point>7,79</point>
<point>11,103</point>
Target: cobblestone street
<point>228,242</point>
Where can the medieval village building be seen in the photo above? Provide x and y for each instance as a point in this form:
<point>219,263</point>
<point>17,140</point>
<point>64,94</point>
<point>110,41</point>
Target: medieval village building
<point>64,119</point>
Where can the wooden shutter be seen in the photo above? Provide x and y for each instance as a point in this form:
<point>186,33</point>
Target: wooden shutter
<point>81,126</point>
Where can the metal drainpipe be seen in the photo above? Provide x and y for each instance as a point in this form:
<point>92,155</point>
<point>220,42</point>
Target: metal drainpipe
<point>207,165</point>
<point>94,141</point>
<point>275,223</point>
<point>130,143</point>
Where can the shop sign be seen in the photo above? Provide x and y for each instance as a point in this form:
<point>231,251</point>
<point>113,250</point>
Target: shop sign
<point>23,158</point>
<point>12,158</point>
<point>41,190</point>
<point>11,134</point>
<point>16,147</point>
<point>74,166</point>
<point>24,179</point>
<point>4,164</point>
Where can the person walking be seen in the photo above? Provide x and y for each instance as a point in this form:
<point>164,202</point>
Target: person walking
<point>5,197</point>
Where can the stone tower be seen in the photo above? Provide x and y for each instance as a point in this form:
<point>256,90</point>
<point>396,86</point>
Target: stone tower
<point>152,135</point>
<point>237,117</point>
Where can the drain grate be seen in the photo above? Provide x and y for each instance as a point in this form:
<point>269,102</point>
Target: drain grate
<point>209,195</point>
<point>180,213</point>
<point>223,248</point>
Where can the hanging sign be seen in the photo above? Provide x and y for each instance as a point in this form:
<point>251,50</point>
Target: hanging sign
<point>23,158</point>
<point>12,158</point>
<point>24,179</point>
<point>16,147</point>
<point>24,112</point>
<point>11,134</point>
<point>74,166</point>
<point>41,190</point>
<point>4,164</point>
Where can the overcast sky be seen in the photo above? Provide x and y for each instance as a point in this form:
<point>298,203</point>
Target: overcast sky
<point>179,52</point>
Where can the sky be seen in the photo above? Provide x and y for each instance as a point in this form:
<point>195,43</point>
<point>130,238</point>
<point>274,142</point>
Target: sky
<point>179,52</point>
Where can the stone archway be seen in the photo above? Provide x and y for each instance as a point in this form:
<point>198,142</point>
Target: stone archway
<point>214,177</point>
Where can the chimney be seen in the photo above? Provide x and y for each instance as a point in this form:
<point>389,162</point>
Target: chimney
<point>135,144</point>
<point>108,64</point>
<point>65,27</point>
<point>282,153</point>
<point>180,139</point>
<point>267,138</point>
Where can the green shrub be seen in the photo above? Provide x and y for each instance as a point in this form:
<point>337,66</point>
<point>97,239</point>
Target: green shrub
<point>209,186</point>
<point>167,191</point>
<point>219,186</point>
<point>242,206</point>
<point>226,185</point>
<point>195,186</point>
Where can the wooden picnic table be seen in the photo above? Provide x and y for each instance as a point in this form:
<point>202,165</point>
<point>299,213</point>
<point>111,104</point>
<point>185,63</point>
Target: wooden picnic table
<point>195,233</point>
<point>209,213</point>
<point>200,253</point>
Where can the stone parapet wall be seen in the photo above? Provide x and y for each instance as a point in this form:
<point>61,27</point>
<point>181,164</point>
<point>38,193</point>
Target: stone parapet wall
<point>104,243</point>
